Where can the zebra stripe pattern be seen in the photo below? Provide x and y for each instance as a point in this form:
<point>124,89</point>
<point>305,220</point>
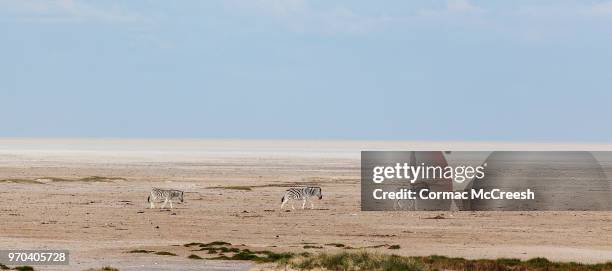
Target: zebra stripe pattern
<point>165,195</point>
<point>301,193</point>
<point>411,204</point>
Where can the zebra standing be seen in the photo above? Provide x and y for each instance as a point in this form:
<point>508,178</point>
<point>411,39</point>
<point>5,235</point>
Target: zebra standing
<point>412,203</point>
<point>301,193</point>
<point>164,195</point>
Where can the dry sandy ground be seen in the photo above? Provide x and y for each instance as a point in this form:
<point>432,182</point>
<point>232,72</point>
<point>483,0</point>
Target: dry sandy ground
<point>100,221</point>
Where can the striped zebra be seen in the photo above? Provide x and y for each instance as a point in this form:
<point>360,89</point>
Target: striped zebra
<point>301,193</point>
<point>411,204</point>
<point>165,195</point>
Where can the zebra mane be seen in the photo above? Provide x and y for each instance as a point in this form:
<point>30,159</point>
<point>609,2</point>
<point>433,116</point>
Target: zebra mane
<point>315,188</point>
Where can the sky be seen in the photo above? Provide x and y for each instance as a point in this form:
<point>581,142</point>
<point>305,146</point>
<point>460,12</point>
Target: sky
<point>297,69</point>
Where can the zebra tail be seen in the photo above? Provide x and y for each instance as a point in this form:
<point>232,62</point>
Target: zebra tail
<point>149,198</point>
<point>283,199</point>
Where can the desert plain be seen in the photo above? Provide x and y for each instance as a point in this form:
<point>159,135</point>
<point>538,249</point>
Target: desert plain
<point>50,200</point>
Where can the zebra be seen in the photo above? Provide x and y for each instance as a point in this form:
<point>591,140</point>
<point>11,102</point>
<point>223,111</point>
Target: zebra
<point>165,195</point>
<point>301,193</point>
<point>411,203</point>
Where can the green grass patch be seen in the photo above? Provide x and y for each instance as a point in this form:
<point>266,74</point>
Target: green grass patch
<point>213,247</point>
<point>247,256</point>
<point>357,261</point>
<point>363,260</point>
<point>535,264</point>
<point>264,256</point>
<point>281,258</point>
<point>3,267</point>
<point>24,268</point>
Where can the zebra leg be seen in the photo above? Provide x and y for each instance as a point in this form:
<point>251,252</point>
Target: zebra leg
<point>164,205</point>
<point>283,203</point>
<point>170,204</point>
<point>292,207</point>
<point>303,203</point>
<point>152,205</point>
<point>410,205</point>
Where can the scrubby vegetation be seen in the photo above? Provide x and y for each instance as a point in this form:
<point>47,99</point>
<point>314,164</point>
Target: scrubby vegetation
<point>140,251</point>
<point>194,257</point>
<point>211,244</point>
<point>356,261</point>
<point>364,260</point>
<point>335,245</point>
<point>263,256</point>
<point>165,253</point>
<point>311,246</point>
<point>535,264</point>
<point>225,251</point>
<point>100,179</point>
<point>18,268</point>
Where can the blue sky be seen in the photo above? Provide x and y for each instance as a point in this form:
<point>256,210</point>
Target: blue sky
<point>396,70</point>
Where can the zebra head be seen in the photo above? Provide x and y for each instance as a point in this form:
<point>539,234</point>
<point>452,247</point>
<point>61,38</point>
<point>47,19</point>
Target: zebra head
<point>318,192</point>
